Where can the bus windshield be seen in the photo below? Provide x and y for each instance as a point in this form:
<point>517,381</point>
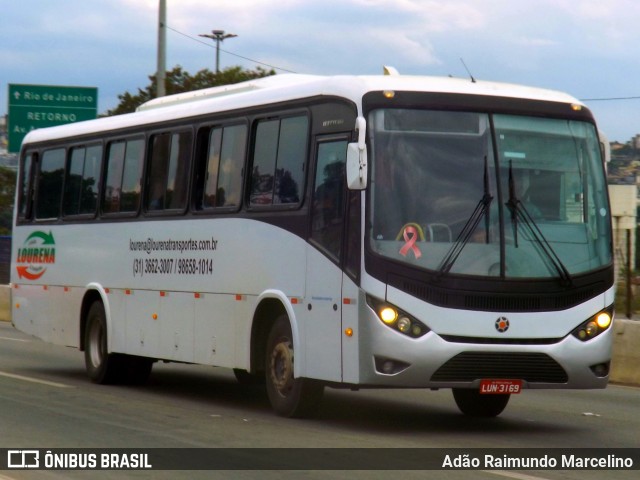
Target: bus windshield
<point>491,195</point>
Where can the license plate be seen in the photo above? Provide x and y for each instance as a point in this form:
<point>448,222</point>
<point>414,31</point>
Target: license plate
<point>502,386</point>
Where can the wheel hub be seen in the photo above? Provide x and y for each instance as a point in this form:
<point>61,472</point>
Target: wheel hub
<point>282,368</point>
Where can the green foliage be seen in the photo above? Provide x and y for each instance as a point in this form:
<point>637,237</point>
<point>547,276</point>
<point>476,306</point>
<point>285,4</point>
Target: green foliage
<point>7,192</point>
<point>178,81</point>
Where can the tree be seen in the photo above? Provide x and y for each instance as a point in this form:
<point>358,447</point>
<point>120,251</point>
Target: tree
<point>178,81</point>
<point>7,191</point>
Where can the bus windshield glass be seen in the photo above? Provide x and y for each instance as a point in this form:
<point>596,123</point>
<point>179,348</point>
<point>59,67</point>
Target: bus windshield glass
<point>489,195</point>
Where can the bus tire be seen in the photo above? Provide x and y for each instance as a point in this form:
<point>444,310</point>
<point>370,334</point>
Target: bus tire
<point>472,403</point>
<point>102,366</point>
<point>289,396</point>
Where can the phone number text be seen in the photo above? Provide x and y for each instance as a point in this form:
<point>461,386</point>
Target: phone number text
<point>172,266</point>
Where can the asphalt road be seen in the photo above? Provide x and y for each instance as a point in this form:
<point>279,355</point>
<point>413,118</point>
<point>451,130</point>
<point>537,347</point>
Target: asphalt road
<point>46,401</point>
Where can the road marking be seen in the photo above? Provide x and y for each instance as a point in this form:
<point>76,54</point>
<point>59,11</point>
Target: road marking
<point>34,380</point>
<point>517,476</point>
<point>15,340</point>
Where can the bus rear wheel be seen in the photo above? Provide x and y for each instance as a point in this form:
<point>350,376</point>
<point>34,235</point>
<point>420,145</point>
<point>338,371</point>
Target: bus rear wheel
<point>289,396</point>
<point>101,365</point>
<point>109,368</point>
<point>472,403</point>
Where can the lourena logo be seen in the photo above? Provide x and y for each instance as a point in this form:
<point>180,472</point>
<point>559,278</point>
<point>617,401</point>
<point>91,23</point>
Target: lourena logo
<point>37,252</point>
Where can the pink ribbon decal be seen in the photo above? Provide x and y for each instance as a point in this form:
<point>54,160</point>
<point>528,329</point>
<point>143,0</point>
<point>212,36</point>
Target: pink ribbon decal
<point>410,236</point>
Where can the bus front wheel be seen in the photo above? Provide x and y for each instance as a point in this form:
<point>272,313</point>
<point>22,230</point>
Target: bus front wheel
<point>289,396</point>
<point>472,403</point>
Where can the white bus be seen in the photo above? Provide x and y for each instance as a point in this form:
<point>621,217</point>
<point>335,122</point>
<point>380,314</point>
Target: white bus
<point>307,231</point>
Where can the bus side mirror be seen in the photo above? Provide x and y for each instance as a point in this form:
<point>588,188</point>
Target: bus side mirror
<point>357,159</point>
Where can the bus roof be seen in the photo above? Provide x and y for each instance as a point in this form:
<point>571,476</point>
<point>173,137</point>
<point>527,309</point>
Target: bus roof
<point>280,88</point>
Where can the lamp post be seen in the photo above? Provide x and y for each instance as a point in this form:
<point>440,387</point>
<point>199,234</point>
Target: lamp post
<point>218,36</point>
<point>162,50</point>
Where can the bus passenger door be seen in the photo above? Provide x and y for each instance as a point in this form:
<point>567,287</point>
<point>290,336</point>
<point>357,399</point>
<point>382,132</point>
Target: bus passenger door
<point>323,324</point>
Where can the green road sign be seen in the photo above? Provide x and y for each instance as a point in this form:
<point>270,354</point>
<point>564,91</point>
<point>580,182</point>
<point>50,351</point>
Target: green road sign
<point>39,106</point>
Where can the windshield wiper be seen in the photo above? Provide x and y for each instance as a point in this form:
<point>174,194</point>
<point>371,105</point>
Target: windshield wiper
<point>519,213</point>
<point>482,209</point>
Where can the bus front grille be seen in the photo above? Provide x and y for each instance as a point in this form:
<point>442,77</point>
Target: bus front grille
<point>531,367</point>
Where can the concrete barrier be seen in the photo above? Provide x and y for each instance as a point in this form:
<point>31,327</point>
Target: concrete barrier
<point>625,364</point>
<point>5,303</point>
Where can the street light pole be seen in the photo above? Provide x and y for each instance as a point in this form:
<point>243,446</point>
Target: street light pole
<point>218,36</point>
<point>162,50</point>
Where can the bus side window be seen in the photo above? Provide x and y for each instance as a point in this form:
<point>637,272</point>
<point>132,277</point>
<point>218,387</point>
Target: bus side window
<point>132,175</point>
<point>113,182</point>
<point>124,169</point>
<point>224,164</point>
<point>29,166</point>
<point>279,158</point>
<point>232,154</point>
<point>292,148</point>
<point>264,162</point>
<point>91,179</point>
<point>168,171</point>
<point>81,183</point>
<point>49,186</point>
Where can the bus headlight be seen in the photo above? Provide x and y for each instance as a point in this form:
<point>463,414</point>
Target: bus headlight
<point>595,325</point>
<point>396,319</point>
<point>388,315</point>
<point>603,320</point>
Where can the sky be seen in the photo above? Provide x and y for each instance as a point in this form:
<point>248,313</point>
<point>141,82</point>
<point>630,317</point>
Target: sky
<point>587,48</point>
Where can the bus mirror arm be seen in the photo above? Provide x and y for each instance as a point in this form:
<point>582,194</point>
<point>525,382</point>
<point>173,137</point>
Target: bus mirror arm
<point>357,159</point>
